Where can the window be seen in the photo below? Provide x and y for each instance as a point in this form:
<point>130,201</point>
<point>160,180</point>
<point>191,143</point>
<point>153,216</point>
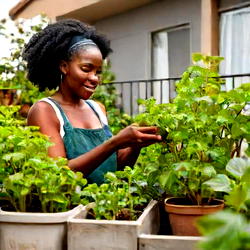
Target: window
<point>235,44</point>
<point>170,57</point>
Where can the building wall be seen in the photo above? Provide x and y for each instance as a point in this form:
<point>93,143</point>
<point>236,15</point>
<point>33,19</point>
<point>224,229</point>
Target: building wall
<point>130,34</point>
<point>229,3</point>
<point>51,8</point>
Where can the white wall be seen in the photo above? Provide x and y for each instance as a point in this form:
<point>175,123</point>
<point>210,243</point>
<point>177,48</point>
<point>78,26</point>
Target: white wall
<point>130,34</point>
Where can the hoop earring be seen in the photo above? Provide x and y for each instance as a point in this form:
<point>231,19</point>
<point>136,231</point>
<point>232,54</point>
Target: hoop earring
<point>61,76</point>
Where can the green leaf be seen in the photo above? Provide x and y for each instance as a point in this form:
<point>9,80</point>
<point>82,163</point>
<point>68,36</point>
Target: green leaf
<point>196,57</point>
<point>13,156</point>
<point>223,231</point>
<point>220,183</point>
<point>25,191</point>
<point>237,197</point>
<point>237,167</point>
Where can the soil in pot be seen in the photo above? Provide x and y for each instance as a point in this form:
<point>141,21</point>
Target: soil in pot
<point>183,215</point>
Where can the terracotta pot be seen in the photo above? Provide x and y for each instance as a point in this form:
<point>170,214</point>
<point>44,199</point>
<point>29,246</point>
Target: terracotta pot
<point>9,96</point>
<point>183,217</point>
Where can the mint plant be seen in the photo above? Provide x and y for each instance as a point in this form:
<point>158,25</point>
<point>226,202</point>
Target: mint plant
<point>202,129</point>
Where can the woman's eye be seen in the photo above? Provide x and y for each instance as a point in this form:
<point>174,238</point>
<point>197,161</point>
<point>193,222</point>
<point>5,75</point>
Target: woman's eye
<point>85,70</point>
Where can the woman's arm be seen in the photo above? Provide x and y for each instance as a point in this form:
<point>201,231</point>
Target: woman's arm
<point>127,157</point>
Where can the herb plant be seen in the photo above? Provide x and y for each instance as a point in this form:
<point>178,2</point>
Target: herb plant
<point>122,197</point>
<point>29,179</point>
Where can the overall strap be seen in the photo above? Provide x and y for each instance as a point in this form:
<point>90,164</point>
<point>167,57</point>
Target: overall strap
<point>91,105</point>
<point>102,118</point>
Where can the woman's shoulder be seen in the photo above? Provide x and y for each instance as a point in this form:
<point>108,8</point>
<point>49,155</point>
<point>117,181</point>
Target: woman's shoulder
<point>41,110</point>
<point>41,106</point>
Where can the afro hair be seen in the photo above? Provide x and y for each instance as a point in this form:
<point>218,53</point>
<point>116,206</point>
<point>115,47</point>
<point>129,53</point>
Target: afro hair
<point>48,47</point>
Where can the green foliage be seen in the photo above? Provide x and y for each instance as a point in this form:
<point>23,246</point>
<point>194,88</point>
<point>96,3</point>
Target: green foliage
<point>239,197</point>
<point>230,229</point>
<point>202,129</point>
<point>224,230</point>
<point>29,179</point>
<point>9,116</point>
<point>122,197</point>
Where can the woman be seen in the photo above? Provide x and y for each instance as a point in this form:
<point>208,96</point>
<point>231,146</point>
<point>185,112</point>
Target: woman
<point>69,55</point>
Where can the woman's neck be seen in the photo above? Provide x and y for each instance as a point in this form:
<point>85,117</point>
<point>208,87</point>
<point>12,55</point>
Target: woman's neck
<point>64,98</point>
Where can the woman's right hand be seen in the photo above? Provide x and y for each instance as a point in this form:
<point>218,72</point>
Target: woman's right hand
<point>133,136</point>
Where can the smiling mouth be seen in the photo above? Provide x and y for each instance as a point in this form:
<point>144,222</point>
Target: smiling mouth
<point>92,88</point>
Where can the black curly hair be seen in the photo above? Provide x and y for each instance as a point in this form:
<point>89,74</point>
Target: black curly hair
<point>48,47</point>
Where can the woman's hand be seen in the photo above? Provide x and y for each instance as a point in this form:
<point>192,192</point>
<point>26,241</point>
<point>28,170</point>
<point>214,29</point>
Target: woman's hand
<point>137,137</point>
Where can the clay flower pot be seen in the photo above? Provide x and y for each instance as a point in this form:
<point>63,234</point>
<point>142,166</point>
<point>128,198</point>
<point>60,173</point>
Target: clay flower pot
<point>182,216</point>
<point>9,96</point>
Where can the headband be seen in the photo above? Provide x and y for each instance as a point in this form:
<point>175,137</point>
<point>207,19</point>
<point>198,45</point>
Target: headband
<point>79,41</point>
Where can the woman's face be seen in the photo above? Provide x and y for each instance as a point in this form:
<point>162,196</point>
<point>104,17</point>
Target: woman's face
<point>82,73</point>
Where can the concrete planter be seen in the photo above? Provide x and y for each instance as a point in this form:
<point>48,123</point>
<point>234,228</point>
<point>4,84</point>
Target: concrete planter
<point>34,231</point>
<point>167,242</point>
<point>106,235</point>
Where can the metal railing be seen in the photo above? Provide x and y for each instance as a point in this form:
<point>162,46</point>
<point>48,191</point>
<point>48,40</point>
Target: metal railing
<point>163,90</point>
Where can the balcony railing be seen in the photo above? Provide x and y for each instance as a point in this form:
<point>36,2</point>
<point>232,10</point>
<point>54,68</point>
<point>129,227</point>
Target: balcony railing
<point>163,90</point>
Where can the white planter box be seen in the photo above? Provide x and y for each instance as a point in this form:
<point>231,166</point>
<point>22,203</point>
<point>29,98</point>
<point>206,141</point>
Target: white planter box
<point>34,231</point>
<point>111,235</point>
<point>167,242</point>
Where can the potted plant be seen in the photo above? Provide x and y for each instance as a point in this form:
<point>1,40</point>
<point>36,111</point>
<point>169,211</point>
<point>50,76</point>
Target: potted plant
<point>120,210</point>
<point>9,94</point>
<point>37,193</point>
<point>202,129</point>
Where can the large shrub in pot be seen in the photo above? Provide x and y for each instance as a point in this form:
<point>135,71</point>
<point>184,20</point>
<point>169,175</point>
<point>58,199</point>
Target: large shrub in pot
<point>202,128</point>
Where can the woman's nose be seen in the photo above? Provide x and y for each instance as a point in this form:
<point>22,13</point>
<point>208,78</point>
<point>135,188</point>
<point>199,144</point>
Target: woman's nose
<point>93,76</point>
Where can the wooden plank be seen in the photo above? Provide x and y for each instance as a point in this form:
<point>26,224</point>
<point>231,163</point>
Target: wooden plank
<point>167,242</point>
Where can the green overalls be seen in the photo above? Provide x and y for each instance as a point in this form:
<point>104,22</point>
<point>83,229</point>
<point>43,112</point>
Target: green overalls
<point>78,141</point>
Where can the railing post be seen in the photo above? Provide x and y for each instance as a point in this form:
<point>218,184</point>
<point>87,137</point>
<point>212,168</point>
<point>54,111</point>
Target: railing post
<point>131,98</point>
